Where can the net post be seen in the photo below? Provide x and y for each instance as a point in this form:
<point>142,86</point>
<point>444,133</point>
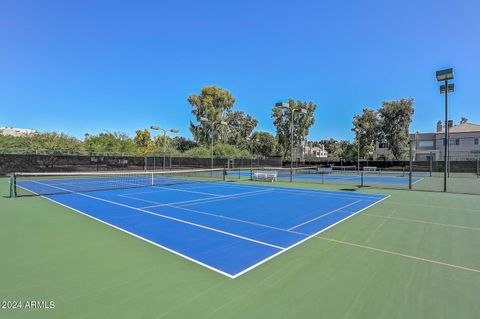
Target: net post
<point>13,186</point>
<point>224,172</point>
<point>152,180</point>
<point>361,178</point>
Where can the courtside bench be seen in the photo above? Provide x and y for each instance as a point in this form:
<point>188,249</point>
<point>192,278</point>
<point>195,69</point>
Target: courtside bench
<point>265,176</point>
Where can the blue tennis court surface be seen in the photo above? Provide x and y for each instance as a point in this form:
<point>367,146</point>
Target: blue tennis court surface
<point>227,227</point>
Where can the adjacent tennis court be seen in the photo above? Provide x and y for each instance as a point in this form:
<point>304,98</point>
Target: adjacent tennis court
<point>229,228</point>
<point>313,174</point>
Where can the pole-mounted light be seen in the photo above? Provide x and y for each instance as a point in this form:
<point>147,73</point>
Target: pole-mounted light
<point>445,76</point>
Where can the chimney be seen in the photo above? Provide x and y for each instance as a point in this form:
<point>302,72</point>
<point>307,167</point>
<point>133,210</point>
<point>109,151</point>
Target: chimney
<point>439,126</point>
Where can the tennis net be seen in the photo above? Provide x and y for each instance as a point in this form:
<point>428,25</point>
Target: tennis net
<point>25,184</point>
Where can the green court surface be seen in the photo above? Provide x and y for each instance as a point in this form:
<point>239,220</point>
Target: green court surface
<point>414,255</point>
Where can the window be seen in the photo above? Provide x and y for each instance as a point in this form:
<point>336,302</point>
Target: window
<point>425,143</point>
<point>457,141</point>
<point>476,141</point>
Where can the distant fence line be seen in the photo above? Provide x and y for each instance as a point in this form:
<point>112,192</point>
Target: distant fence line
<point>64,163</point>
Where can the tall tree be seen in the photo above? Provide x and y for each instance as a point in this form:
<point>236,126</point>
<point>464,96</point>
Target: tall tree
<point>463,120</point>
<point>212,103</point>
<point>395,119</point>
<point>302,123</point>
<point>331,146</point>
<point>367,130</point>
<point>183,144</point>
<point>143,141</point>
<point>240,127</point>
<point>263,144</point>
<point>346,150</point>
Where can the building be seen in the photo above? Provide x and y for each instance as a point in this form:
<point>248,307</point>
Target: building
<point>13,131</point>
<point>314,151</point>
<point>464,143</point>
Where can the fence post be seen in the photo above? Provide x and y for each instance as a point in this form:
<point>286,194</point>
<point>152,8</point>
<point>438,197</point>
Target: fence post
<point>431,164</point>
<point>411,166</point>
<point>478,166</point>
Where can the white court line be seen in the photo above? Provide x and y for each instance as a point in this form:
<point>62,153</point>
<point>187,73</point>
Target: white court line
<point>209,199</point>
<point>135,235</point>
<point>237,220</point>
<point>258,264</point>
<point>331,212</point>
<point>175,219</point>
<point>185,190</point>
<point>156,203</point>
<point>420,179</point>
<point>140,193</point>
<point>219,197</point>
<point>275,189</point>
<point>305,239</point>
<point>321,192</point>
<point>399,254</point>
<point>420,221</point>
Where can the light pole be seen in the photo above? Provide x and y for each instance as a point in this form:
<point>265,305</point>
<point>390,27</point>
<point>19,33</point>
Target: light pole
<point>292,109</point>
<point>358,131</point>
<point>172,130</point>
<point>444,76</point>
<point>212,132</point>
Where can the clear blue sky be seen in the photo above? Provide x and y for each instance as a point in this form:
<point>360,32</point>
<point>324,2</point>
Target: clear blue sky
<point>89,66</point>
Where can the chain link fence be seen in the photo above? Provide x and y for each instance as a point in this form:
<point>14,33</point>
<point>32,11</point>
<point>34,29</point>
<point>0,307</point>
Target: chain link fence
<point>54,162</point>
<point>424,169</point>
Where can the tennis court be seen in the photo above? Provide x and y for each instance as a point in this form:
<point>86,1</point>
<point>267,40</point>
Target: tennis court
<point>229,228</point>
<point>370,178</point>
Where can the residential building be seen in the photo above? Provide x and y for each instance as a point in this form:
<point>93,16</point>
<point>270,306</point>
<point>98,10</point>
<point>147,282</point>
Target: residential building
<point>464,143</point>
<point>314,151</point>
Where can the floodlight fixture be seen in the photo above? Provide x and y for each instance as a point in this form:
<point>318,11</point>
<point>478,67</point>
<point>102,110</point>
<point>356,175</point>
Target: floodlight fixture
<point>444,75</point>
<point>451,88</point>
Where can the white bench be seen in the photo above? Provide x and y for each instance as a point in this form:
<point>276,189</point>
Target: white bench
<point>265,176</point>
<point>369,168</point>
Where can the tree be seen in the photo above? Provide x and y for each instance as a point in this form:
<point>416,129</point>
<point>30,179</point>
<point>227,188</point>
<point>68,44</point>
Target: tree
<point>367,130</point>
<point>463,120</point>
<point>109,142</point>
<point>143,141</point>
<point>302,123</point>
<point>331,146</point>
<point>240,127</point>
<point>52,142</point>
<point>395,118</point>
<point>263,144</point>
<point>212,103</point>
<point>183,144</point>
<point>199,151</point>
<point>157,145</point>
<point>229,151</point>
<point>347,150</point>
